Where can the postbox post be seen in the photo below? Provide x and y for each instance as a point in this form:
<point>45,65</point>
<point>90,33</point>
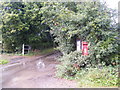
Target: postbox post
<point>78,42</point>
<point>84,48</point>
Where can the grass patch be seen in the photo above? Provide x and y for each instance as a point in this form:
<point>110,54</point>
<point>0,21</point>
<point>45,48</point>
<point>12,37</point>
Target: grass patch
<point>94,77</point>
<point>34,53</point>
<point>40,52</point>
<point>2,62</point>
<point>47,51</point>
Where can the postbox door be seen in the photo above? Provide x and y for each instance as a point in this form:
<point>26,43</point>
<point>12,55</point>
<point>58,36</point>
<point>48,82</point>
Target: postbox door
<point>85,48</point>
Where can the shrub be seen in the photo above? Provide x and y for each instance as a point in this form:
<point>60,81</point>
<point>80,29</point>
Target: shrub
<point>72,63</point>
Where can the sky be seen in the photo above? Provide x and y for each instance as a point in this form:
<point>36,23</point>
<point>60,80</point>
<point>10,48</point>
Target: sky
<point>112,3</point>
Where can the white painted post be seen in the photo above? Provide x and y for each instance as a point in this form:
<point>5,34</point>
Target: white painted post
<point>23,49</point>
<point>78,45</point>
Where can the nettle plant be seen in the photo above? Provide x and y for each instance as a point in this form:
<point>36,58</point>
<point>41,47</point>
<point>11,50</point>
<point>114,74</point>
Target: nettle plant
<point>89,21</point>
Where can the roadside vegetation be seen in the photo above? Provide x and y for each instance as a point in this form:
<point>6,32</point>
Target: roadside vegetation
<point>41,52</point>
<point>106,76</point>
<point>45,25</point>
<point>2,62</point>
<point>33,52</point>
<point>98,77</point>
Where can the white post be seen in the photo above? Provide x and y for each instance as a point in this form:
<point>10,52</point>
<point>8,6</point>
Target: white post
<point>23,49</point>
<point>78,45</point>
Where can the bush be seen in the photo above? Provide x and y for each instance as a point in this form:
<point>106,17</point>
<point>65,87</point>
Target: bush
<point>72,63</point>
<point>3,62</point>
<point>98,77</point>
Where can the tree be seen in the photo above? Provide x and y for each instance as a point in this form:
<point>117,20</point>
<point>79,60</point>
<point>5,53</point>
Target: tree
<point>89,21</point>
<point>22,25</point>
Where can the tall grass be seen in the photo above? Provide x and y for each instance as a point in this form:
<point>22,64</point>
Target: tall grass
<point>98,77</point>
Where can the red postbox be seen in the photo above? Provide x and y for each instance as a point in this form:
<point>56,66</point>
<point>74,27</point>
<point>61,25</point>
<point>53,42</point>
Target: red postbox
<point>84,48</point>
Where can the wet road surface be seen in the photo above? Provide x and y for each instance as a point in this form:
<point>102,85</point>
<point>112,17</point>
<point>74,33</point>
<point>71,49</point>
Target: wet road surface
<point>32,75</point>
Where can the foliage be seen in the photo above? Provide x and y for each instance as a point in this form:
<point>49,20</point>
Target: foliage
<point>89,21</point>
<point>98,77</point>
<point>2,62</point>
<point>41,52</point>
<point>72,63</point>
<point>21,24</point>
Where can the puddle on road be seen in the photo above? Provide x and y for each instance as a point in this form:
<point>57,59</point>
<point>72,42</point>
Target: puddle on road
<point>34,74</point>
<point>24,74</point>
<point>40,65</point>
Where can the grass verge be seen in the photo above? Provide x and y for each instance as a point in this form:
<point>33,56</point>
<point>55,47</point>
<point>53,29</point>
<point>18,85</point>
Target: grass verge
<point>106,76</point>
<point>94,77</point>
<point>34,53</point>
<point>40,52</point>
<point>2,62</point>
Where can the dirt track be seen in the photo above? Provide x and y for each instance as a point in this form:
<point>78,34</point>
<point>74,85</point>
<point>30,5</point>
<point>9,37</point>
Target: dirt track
<point>29,76</point>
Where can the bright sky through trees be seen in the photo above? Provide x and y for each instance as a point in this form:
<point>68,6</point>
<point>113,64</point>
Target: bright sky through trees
<point>112,4</point>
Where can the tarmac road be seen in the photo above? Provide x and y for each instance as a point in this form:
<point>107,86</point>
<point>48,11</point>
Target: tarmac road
<point>38,73</point>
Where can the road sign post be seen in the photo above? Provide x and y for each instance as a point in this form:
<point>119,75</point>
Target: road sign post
<point>25,49</point>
